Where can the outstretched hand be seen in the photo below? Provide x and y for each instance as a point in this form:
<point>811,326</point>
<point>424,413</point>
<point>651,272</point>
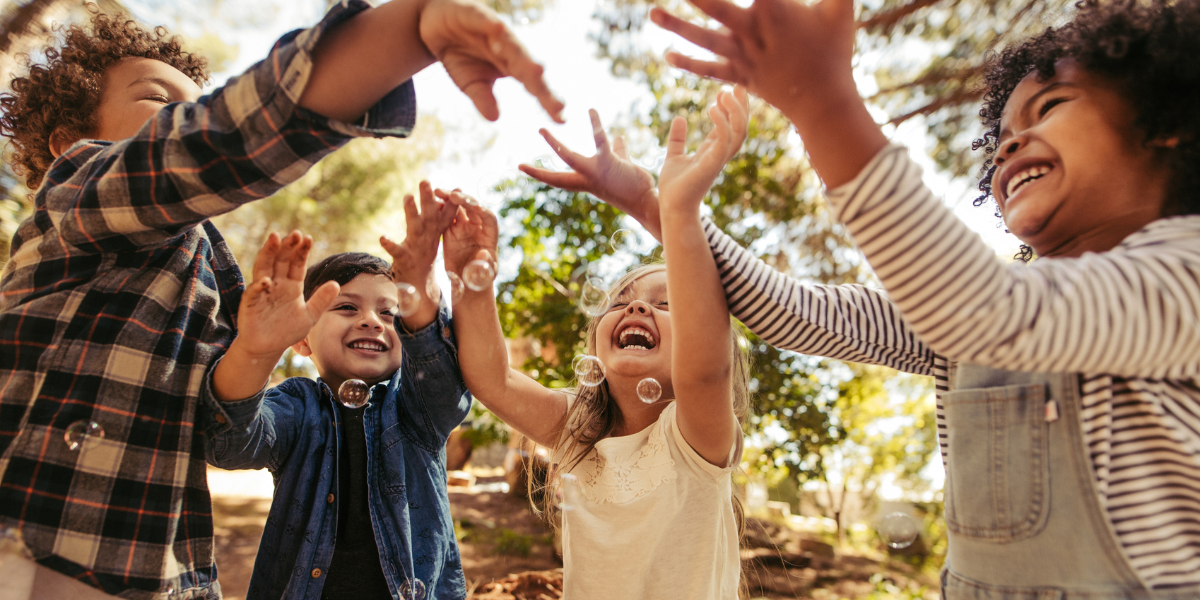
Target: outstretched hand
<point>609,175</point>
<point>413,257</point>
<point>473,236</point>
<point>273,314</point>
<point>477,48</point>
<point>686,178</point>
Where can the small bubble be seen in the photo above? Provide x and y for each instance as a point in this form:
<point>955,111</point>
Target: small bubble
<point>567,496</point>
<point>412,589</point>
<point>621,239</point>
<point>431,290</point>
<point>649,390</point>
<point>478,275</point>
<point>80,431</point>
<point>589,371</point>
<point>408,299</point>
<point>593,298</point>
<point>354,393</point>
<point>898,530</point>
<point>456,286</point>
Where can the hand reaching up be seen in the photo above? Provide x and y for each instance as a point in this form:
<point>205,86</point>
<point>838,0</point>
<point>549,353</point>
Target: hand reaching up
<point>686,178</point>
<point>413,257</point>
<point>473,236</point>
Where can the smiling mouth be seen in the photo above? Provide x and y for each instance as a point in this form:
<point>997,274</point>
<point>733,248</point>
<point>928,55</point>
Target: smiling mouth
<point>636,338</point>
<point>369,345</point>
<point>1019,180</point>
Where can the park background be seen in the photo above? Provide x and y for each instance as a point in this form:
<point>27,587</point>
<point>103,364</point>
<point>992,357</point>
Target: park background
<point>831,447</point>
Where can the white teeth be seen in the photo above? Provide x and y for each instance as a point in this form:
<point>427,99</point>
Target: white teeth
<point>368,345</point>
<point>1024,177</point>
<point>632,331</point>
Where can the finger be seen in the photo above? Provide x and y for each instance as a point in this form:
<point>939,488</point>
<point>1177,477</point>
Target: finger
<point>428,203</point>
<point>721,70</point>
<point>287,253</point>
<point>321,298</point>
<point>515,61</point>
<point>619,148</point>
<point>598,131</point>
<point>389,246</point>
<point>572,158</point>
<point>719,41</point>
<point>256,291</point>
<point>412,218</point>
<point>299,263</point>
<point>264,261</point>
<point>567,180</point>
<point>724,11</point>
<point>677,137</point>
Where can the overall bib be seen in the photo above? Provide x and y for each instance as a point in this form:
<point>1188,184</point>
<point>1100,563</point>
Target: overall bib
<point>1024,518</point>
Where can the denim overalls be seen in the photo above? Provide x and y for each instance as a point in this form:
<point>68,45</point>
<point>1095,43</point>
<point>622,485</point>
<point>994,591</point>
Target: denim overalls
<point>1023,514</point>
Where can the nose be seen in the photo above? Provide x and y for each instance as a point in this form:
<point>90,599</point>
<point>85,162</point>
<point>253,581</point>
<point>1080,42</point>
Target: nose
<point>1010,147</point>
<point>370,320</point>
<point>637,307</point>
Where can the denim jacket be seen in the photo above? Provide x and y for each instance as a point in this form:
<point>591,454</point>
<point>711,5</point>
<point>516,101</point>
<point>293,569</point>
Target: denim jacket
<point>293,430</point>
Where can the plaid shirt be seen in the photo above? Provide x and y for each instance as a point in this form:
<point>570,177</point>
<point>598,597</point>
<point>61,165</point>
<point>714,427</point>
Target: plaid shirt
<point>118,297</point>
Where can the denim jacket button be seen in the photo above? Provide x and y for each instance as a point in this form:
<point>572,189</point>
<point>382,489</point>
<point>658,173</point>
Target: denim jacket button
<point>446,332</point>
<point>221,419</point>
<point>316,573</point>
<point>329,499</point>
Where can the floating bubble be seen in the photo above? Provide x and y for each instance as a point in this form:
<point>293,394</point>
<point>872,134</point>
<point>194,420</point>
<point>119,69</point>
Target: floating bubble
<point>456,286</point>
<point>575,361</point>
<point>589,371</point>
<point>593,298</point>
<point>354,393</point>
<point>478,275</point>
<point>652,161</point>
<point>80,431</point>
<point>621,239</point>
<point>431,290</point>
<point>412,589</point>
<point>567,496</point>
<point>898,530</point>
<point>408,299</point>
<point>649,390</point>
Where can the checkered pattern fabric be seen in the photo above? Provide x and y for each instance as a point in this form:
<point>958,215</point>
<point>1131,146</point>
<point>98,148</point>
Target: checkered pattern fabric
<point>118,297</point>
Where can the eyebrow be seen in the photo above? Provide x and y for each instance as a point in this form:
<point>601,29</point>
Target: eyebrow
<point>158,80</point>
<point>1030,101</point>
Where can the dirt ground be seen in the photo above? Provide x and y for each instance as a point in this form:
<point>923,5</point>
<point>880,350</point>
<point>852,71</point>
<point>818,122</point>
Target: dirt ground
<point>508,553</point>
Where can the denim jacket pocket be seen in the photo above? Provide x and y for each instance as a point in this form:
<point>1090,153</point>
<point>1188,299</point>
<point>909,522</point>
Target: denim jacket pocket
<point>997,476</point>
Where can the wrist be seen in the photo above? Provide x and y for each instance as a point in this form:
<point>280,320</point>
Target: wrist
<point>649,216</point>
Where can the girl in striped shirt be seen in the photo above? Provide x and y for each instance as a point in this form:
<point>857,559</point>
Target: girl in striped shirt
<point>1068,388</point>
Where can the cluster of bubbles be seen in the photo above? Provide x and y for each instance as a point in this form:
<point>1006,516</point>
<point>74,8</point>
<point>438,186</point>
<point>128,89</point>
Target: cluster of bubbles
<point>80,432</point>
<point>898,530</point>
<point>589,371</point>
<point>354,393</point>
<point>568,494</point>
<point>412,589</point>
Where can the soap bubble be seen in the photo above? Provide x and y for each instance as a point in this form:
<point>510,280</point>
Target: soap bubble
<point>432,291</point>
<point>593,299</point>
<point>589,371</point>
<point>567,496</point>
<point>478,275</point>
<point>575,362</point>
<point>621,239</point>
<point>456,286</point>
<point>408,299</point>
<point>412,589</point>
<point>653,160</point>
<point>898,530</point>
<point>649,390</point>
<point>354,393</point>
<point>80,431</point>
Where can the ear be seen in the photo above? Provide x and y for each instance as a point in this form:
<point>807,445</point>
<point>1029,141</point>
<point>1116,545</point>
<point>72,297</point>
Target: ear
<point>302,348</point>
<point>60,141</point>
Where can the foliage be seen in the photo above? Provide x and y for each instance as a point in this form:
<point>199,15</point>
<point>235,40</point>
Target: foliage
<point>15,206</point>
<point>485,428</point>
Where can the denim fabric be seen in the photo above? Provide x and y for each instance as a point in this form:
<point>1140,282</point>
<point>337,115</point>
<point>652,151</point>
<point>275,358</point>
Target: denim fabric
<point>294,431</point>
<point>1023,516</point>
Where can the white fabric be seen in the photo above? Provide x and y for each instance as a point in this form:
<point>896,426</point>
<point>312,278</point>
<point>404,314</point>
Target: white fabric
<point>23,579</point>
<point>653,520</point>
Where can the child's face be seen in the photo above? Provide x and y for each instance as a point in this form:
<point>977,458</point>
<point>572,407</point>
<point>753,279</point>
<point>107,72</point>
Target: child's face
<point>1071,166</point>
<point>633,339</point>
<point>354,338</point>
<point>134,89</point>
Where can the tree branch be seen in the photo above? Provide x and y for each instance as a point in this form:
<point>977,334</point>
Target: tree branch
<point>889,18</point>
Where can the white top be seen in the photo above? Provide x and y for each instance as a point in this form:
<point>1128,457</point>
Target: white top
<point>652,519</point>
<point>1126,320</point>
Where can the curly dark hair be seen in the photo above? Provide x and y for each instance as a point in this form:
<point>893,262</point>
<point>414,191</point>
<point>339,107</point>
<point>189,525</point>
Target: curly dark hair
<point>1148,49</point>
<point>62,95</point>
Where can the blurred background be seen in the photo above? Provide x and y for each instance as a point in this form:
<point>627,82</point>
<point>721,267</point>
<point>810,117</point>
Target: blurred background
<point>841,476</point>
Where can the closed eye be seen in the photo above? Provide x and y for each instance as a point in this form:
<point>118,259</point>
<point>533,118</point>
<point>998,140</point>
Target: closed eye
<point>1048,104</point>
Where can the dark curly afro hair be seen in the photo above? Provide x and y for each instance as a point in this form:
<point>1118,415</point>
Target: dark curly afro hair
<point>1148,49</point>
<point>62,95</point>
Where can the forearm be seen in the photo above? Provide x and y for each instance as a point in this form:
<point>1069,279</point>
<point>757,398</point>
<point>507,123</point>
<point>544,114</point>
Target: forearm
<point>838,132</point>
<point>697,300</point>
<point>427,311</point>
<point>241,374</point>
<point>358,62</point>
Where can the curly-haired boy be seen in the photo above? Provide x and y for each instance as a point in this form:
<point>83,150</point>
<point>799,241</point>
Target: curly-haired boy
<point>120,293</point>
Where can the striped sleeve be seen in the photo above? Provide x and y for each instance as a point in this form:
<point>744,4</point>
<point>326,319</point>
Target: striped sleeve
<point>847,322</point>
<point>1131,311</point>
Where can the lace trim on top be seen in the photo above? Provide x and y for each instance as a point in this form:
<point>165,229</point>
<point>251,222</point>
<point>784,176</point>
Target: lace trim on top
<point>604,480</point>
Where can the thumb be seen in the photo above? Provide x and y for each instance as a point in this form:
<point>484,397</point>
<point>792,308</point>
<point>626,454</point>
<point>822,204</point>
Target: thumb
<point>255,291</point>
<point>321,298</point>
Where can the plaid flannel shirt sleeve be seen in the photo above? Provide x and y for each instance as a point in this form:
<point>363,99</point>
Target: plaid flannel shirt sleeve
<point>196,160</point>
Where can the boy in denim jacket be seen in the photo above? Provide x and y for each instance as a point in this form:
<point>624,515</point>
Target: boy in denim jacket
<point>120,293</point>
<point>360,507</point>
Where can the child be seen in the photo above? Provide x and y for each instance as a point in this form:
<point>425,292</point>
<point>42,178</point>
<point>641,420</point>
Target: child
<point>360,505</point>
<point>120,293</point>
<point>654,517</point>
<point>1067,389</point>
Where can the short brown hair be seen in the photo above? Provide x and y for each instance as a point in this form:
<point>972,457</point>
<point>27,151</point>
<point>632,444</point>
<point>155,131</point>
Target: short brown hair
<point>62,95</point>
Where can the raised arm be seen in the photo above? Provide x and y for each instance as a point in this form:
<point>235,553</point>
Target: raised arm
<point>526,405</point>
<point>413,257</point>
<point>701,353</point>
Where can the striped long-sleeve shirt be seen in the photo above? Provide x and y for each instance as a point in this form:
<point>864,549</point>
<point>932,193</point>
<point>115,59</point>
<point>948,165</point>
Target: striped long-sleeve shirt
<point>118,297</point>
<point>1126,320</point>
